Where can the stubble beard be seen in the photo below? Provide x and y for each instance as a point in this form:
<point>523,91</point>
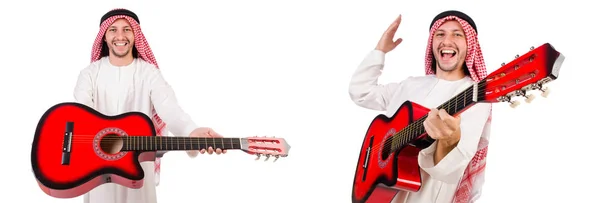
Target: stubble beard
<point>446,69</point>
<point>120,55</point>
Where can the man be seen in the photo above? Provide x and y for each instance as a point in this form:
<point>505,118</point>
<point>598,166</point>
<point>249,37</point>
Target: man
<point>122,77</point>
<point>452,167</point>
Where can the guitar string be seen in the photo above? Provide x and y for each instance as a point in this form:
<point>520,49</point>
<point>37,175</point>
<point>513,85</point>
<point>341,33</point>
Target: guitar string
<point>154,142</point>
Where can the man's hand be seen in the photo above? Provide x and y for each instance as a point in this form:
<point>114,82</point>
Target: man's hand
<point>207,132</point>
<point>443,127</point>
<point>386,43</point>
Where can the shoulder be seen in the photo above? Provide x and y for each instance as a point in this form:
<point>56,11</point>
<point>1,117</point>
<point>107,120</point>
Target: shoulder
<point>93,67</point>
<point>146,69</point>
<point>148,72</point>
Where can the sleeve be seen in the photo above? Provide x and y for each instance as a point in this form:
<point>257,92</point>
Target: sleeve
<point>451,168</point>
<point>83,91</point>
<point>165,103</point>
<point>364,89</point>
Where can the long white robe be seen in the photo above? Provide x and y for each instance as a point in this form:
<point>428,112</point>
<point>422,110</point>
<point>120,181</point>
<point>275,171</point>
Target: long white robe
<point>439,181</point>
<point>115,90</point>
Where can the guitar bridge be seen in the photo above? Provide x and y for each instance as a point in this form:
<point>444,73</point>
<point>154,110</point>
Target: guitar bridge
<point>67,143</point>
<point>367,157</point>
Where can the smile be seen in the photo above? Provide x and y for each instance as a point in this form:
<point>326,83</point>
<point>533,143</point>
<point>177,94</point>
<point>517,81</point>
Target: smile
<point>120,44</point>
<point>447,54</point>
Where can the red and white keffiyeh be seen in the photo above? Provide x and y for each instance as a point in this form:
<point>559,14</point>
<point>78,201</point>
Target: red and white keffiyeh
<point>145,53</point>
<point>472,180</point>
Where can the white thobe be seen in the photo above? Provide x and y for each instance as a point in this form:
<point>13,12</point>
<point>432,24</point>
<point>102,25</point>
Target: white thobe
<point>439,181</point>
<point>139,86</point>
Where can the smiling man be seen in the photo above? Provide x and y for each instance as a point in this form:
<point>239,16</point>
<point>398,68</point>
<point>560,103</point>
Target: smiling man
<point>123,76</point>
<point>452,167</point>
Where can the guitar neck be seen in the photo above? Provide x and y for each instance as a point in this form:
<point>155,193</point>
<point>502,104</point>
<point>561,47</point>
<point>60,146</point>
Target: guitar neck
<point>455,105</point>
<point>166,143</point>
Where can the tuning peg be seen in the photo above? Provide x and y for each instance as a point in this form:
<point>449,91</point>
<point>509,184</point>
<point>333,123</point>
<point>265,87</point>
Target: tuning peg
<point>531,48</point>
<point>517,56</point>
<point>514,104</point>
<point>257,157</point>
<point>529,98</point>
<point>276,157</point>
<point>503,64</point>
<point>545,92</point>
<point>268,156</point>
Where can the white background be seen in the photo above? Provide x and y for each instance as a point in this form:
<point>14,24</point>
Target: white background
<point>281,68</point>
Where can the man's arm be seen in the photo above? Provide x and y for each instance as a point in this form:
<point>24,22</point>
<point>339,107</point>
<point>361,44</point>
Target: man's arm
<point>83,91</point>
<point>364,89</point>
<point>447,162</point>
<point>166,105</point>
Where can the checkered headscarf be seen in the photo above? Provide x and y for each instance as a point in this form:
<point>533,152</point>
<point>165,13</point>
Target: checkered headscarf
<point>471,182</point>
<point>143,51</point>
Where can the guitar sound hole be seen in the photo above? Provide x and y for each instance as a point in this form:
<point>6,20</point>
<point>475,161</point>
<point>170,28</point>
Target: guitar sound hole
<point>111,144</point>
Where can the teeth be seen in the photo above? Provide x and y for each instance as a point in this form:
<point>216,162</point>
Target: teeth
<point>120,44</point>
<point>448,52</point>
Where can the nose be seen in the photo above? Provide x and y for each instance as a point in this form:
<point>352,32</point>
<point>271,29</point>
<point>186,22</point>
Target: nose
<point>120,34</point>
<point>447,40</point>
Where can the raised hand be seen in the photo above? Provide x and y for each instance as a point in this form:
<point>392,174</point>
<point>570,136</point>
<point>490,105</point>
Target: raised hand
<point>387,43</point>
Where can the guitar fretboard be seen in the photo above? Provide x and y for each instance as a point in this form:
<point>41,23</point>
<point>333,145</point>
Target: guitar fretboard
<point>454,105</point>
<point>165,143</point>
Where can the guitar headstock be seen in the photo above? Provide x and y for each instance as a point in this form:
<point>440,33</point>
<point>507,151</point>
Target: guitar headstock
<point>526,73</point>
<point>266,146</point>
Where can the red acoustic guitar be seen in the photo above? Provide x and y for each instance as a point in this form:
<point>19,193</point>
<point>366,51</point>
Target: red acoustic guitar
<point>76,148</point>
<point>387,161</point>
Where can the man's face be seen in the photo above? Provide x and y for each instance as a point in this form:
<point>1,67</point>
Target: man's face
<point>119,38</point>
<point>449,46</point>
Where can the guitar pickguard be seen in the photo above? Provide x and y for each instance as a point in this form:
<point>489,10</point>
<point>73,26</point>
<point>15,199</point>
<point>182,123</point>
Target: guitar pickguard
<point>98,140</point>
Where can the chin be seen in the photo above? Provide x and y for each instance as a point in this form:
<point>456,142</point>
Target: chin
<point>447,67</point>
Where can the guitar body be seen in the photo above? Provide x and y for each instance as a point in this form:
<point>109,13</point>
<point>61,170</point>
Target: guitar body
<point>380,172</point>
<point>94,157</point>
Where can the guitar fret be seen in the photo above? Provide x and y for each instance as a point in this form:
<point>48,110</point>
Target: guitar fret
<point>455,103</point>
<point>464,101</point>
